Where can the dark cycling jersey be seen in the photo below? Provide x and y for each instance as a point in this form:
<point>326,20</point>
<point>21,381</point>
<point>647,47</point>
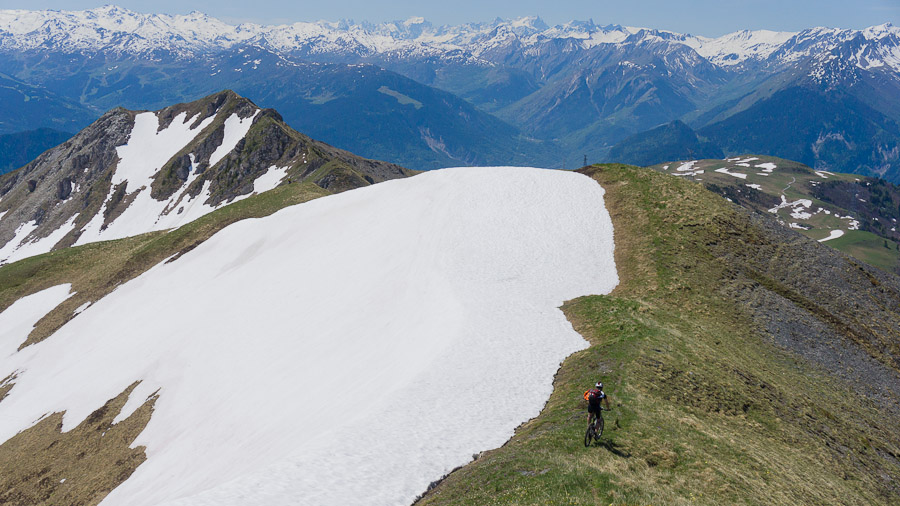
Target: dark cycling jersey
<point>595,397</point>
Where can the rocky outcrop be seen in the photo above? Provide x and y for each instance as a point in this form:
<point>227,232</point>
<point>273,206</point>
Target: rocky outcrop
<point>67,181</point>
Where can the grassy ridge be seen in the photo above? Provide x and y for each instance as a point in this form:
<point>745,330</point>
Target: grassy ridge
<point>705,409</point>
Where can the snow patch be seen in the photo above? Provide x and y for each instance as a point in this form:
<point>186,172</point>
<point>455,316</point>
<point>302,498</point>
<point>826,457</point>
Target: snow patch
<point>755,186</point>
<point>17,321</point>
<point>191,209</point>
<point>141,393</point>
<point>738,175</point>
<point>687,166</point>
<point>149,148</point>
<point>687,169</point>
<point>27,249</point>
<point>798,208</point>
<point>833,235</point>
<point>270,179</point>
<point>22,231</point>
<point>235,130</point>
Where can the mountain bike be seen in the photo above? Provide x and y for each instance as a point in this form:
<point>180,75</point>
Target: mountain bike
<point>594,428</point>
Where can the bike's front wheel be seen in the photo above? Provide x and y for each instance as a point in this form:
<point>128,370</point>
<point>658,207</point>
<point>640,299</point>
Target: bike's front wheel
<point>599,430</point>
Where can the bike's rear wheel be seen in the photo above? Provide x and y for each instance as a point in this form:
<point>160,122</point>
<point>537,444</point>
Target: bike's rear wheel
<point>588,435</point>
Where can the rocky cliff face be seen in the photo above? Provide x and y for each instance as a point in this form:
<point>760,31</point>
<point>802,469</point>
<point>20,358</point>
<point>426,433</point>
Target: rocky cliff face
<point>65,182</point>
<point>132,172</point>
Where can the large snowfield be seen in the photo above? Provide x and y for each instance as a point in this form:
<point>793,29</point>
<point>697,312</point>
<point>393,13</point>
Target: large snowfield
<point>349,350</point>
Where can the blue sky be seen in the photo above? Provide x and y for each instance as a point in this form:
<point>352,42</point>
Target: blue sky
<point>700,17</point>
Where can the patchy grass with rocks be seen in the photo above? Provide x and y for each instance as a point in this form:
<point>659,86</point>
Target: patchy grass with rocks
<point>819,204</point>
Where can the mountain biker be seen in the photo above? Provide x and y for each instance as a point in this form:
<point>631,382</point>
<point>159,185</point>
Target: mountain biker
<point>596,397</point>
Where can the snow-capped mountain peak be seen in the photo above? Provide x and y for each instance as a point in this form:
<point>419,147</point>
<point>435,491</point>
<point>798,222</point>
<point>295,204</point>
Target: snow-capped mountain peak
<point>879,31</point>
<point>112,28</point>
<point>587,32</point>
<point>738,47</point>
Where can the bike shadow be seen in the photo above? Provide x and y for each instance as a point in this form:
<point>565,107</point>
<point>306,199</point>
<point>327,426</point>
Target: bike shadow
<point>615,449</point>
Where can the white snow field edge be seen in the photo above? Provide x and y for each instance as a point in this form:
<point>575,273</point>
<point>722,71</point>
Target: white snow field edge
<point>348,350</point>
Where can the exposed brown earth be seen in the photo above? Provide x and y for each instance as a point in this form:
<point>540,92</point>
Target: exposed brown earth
<point>44,466</point>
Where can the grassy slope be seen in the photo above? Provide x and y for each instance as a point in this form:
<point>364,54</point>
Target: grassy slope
<point>869,248</point>
<point>796,178</point>
<point>705,409</point>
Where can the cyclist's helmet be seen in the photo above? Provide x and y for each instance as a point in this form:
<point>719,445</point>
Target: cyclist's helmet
<point>599,386</point>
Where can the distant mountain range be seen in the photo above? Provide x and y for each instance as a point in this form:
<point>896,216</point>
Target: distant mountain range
<point>531,93</point>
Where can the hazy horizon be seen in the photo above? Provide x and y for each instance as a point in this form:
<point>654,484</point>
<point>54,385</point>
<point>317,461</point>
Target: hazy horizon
<point>718,18</point>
